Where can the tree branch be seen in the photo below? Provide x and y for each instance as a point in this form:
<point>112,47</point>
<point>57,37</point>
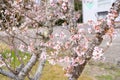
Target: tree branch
<point>8,74</point>
<point>22,74</point>
<point>39,70</point>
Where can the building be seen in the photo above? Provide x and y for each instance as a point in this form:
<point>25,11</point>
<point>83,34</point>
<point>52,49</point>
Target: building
<point>95,9</point>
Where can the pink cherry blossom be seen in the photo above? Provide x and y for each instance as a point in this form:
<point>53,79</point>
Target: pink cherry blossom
<point>97,53</point>
<point>21,47</point>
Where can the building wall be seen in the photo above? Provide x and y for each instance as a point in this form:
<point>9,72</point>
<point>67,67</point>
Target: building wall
<point>95,9</point>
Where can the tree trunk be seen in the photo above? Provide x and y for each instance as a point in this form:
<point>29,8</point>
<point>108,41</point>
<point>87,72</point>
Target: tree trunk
<point>77,72</point>
<point>72,79</point>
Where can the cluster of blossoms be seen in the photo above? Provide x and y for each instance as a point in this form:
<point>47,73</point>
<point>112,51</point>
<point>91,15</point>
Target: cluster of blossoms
<point>97,53</point>
<point>64,5</point>
<point>58,9</point>
<point>21,47</point>
<point>111,17</point>
<point>72,51</point>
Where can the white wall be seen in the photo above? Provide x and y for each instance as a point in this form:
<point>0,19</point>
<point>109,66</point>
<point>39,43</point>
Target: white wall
<point>89,10</point>
<point>92,7</point>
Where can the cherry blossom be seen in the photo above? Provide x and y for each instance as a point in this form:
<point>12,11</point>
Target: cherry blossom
<point>97,53</point>
<point>21,47</point>
<point>30,27</point>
